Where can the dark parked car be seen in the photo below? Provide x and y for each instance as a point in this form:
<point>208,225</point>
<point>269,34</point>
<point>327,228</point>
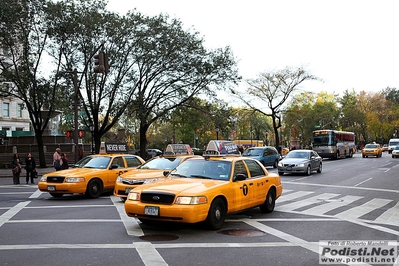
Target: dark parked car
<point>300,161</point>
<point>267,155</point>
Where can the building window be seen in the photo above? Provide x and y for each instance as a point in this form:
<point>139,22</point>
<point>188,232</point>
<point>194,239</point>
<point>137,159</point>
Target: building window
<point>19,110</point>
<point>6,109</point>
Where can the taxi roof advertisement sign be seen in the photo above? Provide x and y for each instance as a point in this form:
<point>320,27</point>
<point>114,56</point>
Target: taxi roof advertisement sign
<point>223,147</point>
<point>116,147</point>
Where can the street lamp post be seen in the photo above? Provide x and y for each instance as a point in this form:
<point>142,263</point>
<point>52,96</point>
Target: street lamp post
<point>217,129</point>
<point>91,127</point>
<point>266,133</point>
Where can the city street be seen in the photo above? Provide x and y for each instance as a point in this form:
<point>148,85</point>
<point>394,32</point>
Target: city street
<point>352,199</point>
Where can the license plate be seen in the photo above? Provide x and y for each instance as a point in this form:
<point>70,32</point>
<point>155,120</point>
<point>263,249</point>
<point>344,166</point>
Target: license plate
<point>51,188</point>
<point>127,190</point>
<point>151,210</point>
<point>289,168</point>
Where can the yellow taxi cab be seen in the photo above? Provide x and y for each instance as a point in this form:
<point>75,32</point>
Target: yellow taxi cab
<point>92,175</point>
<point>206,189</point>
<point>372,149</point>
<point>153,169</point>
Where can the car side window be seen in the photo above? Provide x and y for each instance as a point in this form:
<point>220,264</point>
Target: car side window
<point>118,161</point>
<point>239,168</point>
<point>254,168</point>
<point>132,161</point>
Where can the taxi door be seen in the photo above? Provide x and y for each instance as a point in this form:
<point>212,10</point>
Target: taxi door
<point>113,173</point>
<point>259,180</point>
<point>243,189</point>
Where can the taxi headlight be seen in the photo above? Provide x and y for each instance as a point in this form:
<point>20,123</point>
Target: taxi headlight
<point>119,179</point>
<point>146,181</point>
<point>301,165</point>
<point>134,196</point>
<point>43,179</point>
<point>74,179</point>
<point>191,200</point>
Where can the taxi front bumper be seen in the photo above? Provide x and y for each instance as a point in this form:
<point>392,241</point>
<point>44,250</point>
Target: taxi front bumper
<point>172,213</point>
<point>66,188</point>
<point>122,190</point>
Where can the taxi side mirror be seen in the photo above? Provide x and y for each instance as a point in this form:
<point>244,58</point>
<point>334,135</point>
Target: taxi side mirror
<point>240,177</point>
<point>114,166</point>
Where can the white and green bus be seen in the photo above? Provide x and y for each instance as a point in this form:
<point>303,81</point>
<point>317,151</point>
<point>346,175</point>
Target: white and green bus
<point>334,144</point>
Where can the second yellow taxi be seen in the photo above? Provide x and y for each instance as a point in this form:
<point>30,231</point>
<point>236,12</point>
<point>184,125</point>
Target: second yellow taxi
<point>153,169</point>
<point>206,189</point>
<point>92,175</point>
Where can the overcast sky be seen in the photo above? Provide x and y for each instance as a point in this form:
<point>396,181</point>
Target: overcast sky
<point>350,44</point>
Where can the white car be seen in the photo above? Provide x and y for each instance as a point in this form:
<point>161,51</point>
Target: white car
<point>395,152</point>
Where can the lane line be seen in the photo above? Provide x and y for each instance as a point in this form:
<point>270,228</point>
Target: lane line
<point>131,225</point>
<point>5,217</point>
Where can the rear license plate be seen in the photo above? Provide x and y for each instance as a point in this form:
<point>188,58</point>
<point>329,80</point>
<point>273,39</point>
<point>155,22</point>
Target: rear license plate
<point>51,188</point>
<point>127,190</point>
<point>151,210</point>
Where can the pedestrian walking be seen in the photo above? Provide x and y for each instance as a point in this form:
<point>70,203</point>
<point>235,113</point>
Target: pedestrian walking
<point>30,167</point>
<point>64,160</point>
<point>57,162</point>
<point>16,168</point>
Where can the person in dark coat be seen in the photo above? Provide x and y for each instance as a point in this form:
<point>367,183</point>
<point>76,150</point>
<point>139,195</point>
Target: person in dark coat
<point>30,167</point>
<point>16,168</point>
<point>64,160</point>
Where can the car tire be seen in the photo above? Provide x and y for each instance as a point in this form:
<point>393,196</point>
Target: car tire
<point>216,214</point>
<point>320,168</point>
<point>94,189</point>
<point>57,195</point>
<point>308,170</point>
<point>270,202</point>
<point>363,156</point>
<point>280,173</point>
<point>275,164</point>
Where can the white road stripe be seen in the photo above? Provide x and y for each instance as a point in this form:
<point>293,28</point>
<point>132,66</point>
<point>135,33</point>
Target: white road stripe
<point>305,202</point>
<point>363,209</point>
<point>149,255</point>
<point>294,195</point>
<point>5,217</point>
<point>391,216</point>
<point>131,225</point>
<point>321,209</point>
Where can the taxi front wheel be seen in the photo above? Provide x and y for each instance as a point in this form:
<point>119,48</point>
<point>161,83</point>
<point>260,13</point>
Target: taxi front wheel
<point>216,214</point>
<point>94,189</point>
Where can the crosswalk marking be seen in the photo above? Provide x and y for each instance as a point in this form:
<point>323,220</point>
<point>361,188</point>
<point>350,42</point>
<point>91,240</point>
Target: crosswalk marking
<point>306,202</point>
<point>287,197</point>
<point>324,208</point>
<point>390,216</point>
<point>363,209</point>
<point>293,201</point>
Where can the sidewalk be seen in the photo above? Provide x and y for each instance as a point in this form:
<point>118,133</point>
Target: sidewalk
<point>6,175</point>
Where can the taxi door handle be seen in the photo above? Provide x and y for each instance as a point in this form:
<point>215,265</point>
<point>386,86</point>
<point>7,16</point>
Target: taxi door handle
<point>251,184</point>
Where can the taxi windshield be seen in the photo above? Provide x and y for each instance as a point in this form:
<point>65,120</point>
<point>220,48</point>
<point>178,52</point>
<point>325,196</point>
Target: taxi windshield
<point>161,164</point>
<point>98,162</point>
<point>298,154</point>
<point>204,169</point>
<point>371,146</point>
<point>253,152</point>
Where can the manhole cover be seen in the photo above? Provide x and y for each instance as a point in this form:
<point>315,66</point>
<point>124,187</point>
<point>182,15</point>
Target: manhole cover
<point>159,237</point>
<point>241,232</point>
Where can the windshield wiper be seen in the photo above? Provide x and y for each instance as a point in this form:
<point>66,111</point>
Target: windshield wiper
<point>179,175</point>
<point>201,176</point>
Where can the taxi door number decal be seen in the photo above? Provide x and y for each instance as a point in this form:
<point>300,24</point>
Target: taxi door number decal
<point>245,189</point>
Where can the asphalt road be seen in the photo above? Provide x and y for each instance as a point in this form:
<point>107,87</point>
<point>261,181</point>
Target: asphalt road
<point>352,199</point>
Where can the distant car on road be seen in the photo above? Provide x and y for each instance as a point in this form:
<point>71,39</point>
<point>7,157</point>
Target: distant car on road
<point>385,147</point>
<point>267,155</point>
<point>395,152</point>
<point>372,149</point>
<point>154,152</point>
<point>300,161</point>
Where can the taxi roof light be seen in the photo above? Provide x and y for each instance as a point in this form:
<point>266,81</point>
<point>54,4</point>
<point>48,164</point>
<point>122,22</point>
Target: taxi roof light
<point>221,148</point>
<point>178,149</point>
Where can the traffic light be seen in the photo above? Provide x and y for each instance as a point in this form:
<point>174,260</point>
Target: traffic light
<point>69,134</point>
<point>99,63</point>
<point>81,133</point>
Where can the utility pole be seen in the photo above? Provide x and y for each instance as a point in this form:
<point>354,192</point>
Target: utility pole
<point>76,110</point>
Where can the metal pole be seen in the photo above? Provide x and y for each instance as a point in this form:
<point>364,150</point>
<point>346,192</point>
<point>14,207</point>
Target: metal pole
<point>76,109</point>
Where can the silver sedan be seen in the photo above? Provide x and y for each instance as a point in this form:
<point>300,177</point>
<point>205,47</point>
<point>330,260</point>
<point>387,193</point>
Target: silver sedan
<point>300,161</point>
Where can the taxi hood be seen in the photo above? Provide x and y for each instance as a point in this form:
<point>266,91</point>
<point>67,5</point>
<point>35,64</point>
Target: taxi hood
<point>143,174</point>
<point>73,172</point>
<point>188,186</point>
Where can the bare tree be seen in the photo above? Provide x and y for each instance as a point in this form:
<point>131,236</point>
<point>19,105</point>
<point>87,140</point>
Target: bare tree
<point>273,89</point>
